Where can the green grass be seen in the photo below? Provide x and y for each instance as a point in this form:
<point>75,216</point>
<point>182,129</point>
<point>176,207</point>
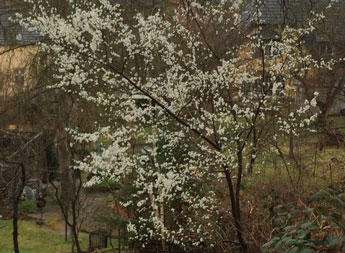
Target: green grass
<point>338,122</point>
<point>34,239</point>
<point>319,168</point>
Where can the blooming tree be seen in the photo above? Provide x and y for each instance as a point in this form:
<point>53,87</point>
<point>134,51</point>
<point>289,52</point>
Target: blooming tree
<point>211,102</point>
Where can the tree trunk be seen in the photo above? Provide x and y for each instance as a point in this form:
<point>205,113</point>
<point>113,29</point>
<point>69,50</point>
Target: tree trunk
<point>66,230</point>
<point>235,210</point>
<point>291,146</point>
<point>66,177</point>
<point>74,228</point>
<point>75,237</point>
<point>15,228</point>
<point>65,168</point>
<point>43,159</point>
<point>162,218</point>
<point>18,190</point>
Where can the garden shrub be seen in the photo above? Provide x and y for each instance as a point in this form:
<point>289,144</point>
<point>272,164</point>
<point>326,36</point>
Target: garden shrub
<point>319,227</point>
<point>27,207</point>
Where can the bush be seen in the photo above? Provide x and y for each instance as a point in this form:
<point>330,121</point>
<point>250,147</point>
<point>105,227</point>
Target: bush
<point>318,228</point>
<point>27,207</point>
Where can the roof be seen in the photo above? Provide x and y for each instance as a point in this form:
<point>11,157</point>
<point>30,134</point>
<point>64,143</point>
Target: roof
<point>282,12</point>
<point>297,12</point>
<point>12,33</point>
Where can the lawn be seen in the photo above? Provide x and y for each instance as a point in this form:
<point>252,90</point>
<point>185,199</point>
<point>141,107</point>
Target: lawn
<point>34,239</point>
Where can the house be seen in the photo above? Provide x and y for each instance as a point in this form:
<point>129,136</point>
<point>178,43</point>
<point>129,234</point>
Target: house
<point>18,138</point>
<point>17,49</point>
<point>268,17</point>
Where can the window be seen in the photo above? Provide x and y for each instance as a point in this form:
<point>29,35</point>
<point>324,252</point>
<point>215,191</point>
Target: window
<point>12,35</point>
<point>19,76</point>
<point>272,50</point>
<point>19,37</point>
<point>325,48</point>
<point>266,87</point>
<point>270,47</point>
<point>278,84</point>
<point>141,101</point>
<point>247,88</point>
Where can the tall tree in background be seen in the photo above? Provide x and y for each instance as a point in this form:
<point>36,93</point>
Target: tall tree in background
<point>29,108</point>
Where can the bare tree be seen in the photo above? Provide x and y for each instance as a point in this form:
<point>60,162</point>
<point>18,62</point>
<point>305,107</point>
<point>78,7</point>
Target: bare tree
<point>17,152</point>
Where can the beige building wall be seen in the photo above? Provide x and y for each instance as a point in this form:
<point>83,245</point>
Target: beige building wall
<point>15,64</point>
